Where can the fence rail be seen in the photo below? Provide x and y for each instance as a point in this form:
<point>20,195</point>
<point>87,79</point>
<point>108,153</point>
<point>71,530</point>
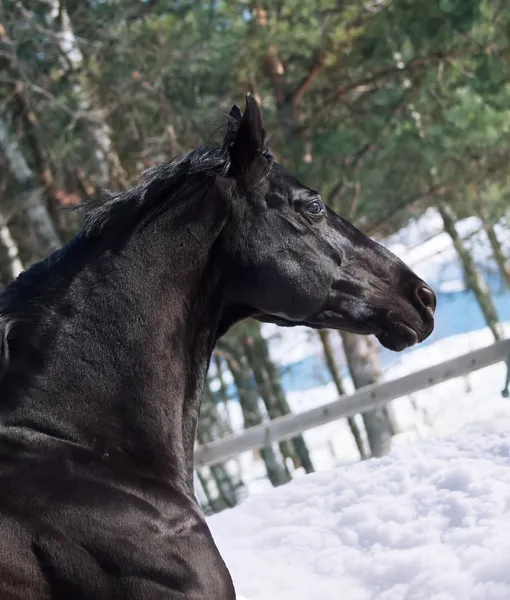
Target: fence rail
<point>363,400</point>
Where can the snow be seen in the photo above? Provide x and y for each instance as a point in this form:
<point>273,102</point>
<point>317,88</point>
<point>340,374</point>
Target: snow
<point>429,522</point>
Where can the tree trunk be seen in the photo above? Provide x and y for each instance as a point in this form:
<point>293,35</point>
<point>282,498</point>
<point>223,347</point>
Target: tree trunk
<point>497,252</point>
<point>505,391</point>
<point>473,278</point>
<point>108,161</point>
<point>362,357</point>
<point>212,427</point>
<point>10,263</point>
<point>271,391</point>
<point>35,207</point>
<point>223,387</point>
<point>337,380</point>
<point>271,404</point>
<point>249,401</point>
<point>33,138</point>
<point>223,394</point>
<point>205,483</point>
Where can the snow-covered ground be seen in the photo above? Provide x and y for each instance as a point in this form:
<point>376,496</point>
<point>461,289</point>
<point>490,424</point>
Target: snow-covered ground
<point>429,522</point>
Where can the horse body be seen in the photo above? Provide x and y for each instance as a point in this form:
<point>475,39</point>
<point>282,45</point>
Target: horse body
<point>104,350</point>
<point>77,525</point>
<point>109,512</point>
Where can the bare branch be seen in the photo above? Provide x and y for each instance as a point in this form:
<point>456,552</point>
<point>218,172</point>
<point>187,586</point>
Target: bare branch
<point>304,86</point>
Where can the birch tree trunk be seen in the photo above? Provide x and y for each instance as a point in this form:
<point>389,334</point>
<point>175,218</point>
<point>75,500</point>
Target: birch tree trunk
<point>474,280</point>
<point>271,391</point>
<point>277,472</point>
<point>497,252</point>
<point>37,214</point>
<point>211,427</point>
<point>334,371</point>
<point>108,161</point>
<point>205,484</point>
<point>362,357</point>
<point>10,263</point>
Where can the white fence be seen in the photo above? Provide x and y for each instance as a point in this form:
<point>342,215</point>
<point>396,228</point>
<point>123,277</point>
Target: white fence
<point>365,399</point>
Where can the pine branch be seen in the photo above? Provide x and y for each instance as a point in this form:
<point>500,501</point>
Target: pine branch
<point>412,65</point>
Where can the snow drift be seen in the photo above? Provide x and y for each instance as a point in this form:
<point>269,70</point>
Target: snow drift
<point>429,522</point>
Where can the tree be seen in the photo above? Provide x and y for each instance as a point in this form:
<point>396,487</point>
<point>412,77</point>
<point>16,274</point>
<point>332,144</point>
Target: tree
<point>110,169</point>
<point>10,263</point>
<point>211,426</point>
<point>474,279</point>
<point>36,211</point>
<point>271,391</point>
<point>248,398</point>
<point>363,358</point>
<point>500,259</point>
<point>497,252</point>
<point>334,371</point>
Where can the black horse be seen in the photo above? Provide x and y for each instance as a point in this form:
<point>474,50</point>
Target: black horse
<point>104,348</point>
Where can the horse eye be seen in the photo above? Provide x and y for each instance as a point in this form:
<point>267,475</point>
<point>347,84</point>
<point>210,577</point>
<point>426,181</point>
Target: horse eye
<point>315,207</point>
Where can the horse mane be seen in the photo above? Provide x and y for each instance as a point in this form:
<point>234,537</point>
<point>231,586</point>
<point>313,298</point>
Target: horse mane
<point>157,189</point>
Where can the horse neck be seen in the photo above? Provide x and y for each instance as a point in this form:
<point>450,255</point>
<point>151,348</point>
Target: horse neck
<point>131,339</point>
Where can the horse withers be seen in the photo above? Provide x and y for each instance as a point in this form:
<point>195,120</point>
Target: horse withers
<point>104,349</point>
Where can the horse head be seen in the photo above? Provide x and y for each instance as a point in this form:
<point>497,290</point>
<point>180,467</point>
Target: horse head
<point>291,260</point>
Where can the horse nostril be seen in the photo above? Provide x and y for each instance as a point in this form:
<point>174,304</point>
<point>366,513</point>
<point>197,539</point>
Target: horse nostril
<point>426,297</point>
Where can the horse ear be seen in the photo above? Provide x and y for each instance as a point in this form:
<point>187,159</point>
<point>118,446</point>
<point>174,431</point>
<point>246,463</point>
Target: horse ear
<point>234,118</point>
<point>234,121</point>
<point>250,139</point>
